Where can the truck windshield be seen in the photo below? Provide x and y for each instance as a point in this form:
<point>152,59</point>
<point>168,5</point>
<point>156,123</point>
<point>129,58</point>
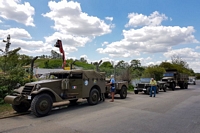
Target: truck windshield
<point>168,74</point>
<point>65,75</point>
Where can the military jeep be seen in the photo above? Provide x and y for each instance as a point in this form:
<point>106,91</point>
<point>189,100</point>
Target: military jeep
<point>64,85</point>
<point>144,86</point>
<point>120,88</point>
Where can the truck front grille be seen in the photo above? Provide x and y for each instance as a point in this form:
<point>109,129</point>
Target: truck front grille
<point>27,90</point>
<point>141,85</point>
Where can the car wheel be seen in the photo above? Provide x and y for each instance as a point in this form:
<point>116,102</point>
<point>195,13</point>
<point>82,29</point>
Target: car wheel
<point>93,97</point>
<point>41,105</point>
<point>123,92</point>
<point>136,91</point>
<point>22,107</point>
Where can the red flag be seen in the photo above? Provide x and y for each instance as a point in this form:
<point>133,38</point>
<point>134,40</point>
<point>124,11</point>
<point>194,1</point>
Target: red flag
<point>59,45</point>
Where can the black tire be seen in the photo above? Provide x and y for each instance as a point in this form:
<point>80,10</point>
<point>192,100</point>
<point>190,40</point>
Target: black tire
<point>148,91</point>
<point>93,98</point>
<point>194,83</point>
<point>74,101</point>
<point>186,86</point>
<point>123,92</point>
<point>173,86</point>
<point>164,88</point>
<point>41,105</point>
<point>136,91</point>
<point>157,90</point>
<point>106,95</point>
<point>22,107</point>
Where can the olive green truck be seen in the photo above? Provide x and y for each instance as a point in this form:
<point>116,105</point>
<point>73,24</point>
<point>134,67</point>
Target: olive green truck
<point>63,85</point>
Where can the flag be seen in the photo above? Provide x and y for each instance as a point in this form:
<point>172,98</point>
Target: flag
<point>59,45</point>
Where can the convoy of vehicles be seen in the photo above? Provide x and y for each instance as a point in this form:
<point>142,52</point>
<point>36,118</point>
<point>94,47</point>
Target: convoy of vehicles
<point>71,85</point>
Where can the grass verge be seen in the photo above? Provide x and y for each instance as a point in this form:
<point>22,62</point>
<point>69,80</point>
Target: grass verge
<point>5,109</point>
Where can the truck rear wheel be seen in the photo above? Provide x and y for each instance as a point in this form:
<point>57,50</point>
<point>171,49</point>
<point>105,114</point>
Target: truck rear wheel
<point>22,107</point>
<point>93,97</point>
<point>41,105</point>
<point>123,92</point>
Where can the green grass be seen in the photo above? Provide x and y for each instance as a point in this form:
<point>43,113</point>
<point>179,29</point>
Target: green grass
<point>5,109</point>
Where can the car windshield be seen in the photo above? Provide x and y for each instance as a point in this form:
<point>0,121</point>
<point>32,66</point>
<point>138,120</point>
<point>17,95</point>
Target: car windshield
<point>145,80</point>
<point>168,74</point>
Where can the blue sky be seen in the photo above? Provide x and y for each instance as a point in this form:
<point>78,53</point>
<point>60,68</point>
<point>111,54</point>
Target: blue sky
<point>151,31</point>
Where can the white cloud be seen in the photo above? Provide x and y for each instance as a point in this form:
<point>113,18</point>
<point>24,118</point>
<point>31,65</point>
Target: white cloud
<point>13,10</point>
<point>149,40</point>
<point>69,19</point>
<point>109,18</point>
<point>69,42</point>
<point>154,19</point>
<point>15,33</point>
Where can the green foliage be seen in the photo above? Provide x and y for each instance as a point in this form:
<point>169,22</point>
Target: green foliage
<point>85,65</point>
<point>130,87</point>
<point>155,72</point>
<point>106,64</point>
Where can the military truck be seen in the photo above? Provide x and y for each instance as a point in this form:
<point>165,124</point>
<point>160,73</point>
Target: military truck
<point>144,86</point>
<point>120,88</point>
<point>173,78</point>
<point>63,85</point>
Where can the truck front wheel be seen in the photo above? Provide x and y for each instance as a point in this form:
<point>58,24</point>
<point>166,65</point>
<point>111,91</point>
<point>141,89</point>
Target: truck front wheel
<point>41,105</point>
<point>93,97</point>
<point>22,107</point>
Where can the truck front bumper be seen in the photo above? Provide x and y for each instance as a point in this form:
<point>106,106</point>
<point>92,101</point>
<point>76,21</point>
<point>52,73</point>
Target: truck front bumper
<point>15,100</point>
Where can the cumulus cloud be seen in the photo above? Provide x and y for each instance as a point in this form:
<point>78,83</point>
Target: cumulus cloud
<point>151,38</point>
<point>154,19</point>
<point>15,33</point>
<point>13,10</point>
<point>187,54</point>
<point>69,19</point>
<point>70,42</point>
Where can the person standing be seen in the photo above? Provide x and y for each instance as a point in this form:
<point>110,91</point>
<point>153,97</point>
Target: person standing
<point>112,87</point>
<point>153,84</point>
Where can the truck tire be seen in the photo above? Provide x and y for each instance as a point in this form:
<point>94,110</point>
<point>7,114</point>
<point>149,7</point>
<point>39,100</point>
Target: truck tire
<point>136,91</point>
<point>157,90</point>
<point>186,86</point>
<point>22,107</point>
<point>93,98</point>
<point>41,105</point>
<point>123,92</point>
<point>173,86</point>
<point>164,88</point>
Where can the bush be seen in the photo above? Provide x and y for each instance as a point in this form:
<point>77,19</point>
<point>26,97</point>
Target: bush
<point>130,87</point>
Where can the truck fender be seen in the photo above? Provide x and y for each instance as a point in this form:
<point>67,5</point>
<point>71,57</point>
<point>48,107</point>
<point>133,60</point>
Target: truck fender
<point>44,89</point>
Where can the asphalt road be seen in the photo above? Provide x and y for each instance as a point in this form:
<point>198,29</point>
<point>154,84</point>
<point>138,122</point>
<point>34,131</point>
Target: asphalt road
<point>169,112</point>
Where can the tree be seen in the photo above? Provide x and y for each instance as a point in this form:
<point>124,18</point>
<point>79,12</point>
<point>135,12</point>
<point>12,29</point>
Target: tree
<point>154,71</point>
<point>106,64</point>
